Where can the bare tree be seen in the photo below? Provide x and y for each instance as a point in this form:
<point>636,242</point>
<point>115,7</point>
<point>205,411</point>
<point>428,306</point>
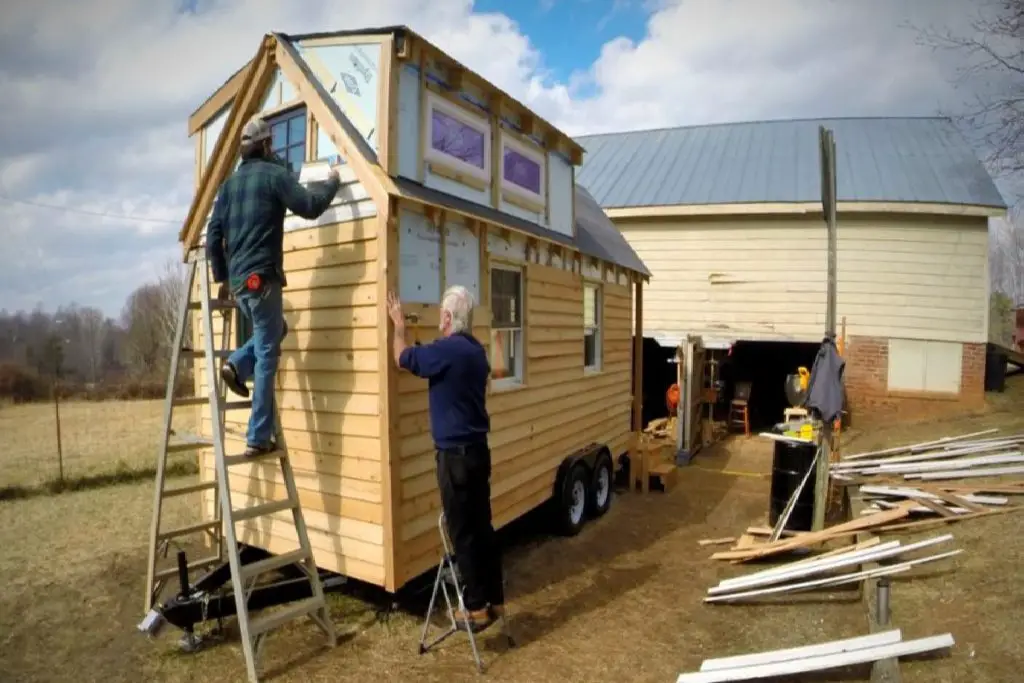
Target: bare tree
<point>993,69</point>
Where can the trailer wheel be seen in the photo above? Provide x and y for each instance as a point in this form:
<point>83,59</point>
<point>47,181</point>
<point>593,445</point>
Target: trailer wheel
<point>572,504</point>
<point>599,497</point>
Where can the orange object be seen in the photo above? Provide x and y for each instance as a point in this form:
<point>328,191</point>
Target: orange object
<point>672,399</point>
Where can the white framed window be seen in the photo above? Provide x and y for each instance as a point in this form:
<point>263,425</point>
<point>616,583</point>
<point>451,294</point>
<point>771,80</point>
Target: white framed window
<point>456,138</point>
<point>592,305</point>
<point>506,325</point>
<point>522,169</point>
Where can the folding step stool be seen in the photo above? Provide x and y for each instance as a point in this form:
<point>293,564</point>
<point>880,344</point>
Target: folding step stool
<point>243,577</point>
<point>448,575</point>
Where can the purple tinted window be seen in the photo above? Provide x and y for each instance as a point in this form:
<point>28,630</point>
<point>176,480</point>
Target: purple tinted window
<point>457,139</point>
<point>522,171</point>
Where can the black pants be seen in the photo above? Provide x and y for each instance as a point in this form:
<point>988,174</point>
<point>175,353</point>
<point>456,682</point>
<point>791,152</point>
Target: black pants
<point>464,477</point>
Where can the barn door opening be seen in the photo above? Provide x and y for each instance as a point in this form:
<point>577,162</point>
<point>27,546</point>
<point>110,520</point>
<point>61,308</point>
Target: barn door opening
<point>761,368</point>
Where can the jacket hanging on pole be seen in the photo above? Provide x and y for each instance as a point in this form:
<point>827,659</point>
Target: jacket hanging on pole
<point>825,388</point>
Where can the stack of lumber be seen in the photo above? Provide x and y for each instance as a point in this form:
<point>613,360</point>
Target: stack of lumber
<point>961,457</point>
<point>834,568</point>
<point>817,657</point>
<point>926,474</point>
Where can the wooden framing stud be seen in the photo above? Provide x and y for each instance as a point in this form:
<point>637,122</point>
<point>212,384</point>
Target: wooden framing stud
<point>527,122</point>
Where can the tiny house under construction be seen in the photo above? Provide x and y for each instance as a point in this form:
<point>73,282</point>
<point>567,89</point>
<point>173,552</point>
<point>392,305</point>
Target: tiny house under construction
<point>446,180</point>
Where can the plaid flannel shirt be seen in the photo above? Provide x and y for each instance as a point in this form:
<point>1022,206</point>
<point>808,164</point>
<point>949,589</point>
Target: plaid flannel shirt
<point>246,231</point>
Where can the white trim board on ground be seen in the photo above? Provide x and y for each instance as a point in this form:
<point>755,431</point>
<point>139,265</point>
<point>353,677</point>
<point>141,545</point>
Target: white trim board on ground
<point>832,660</point>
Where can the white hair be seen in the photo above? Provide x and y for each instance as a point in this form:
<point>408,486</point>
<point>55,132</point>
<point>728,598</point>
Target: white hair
<point>458,301</point>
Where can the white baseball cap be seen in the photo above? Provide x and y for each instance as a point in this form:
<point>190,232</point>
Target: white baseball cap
<point>255,130</point>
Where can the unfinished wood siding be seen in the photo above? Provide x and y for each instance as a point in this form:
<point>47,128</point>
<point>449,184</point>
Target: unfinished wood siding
<point>328,390</point>
<point>557,411</point>
<point>746,278</point>
<point>918,277</point>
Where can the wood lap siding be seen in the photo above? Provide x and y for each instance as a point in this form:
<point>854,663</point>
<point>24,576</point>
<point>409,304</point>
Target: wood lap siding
<point>328,394</point>
<point>533,428</point>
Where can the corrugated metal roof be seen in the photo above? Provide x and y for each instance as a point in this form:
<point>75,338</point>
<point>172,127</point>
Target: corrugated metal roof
<point>918,159</point>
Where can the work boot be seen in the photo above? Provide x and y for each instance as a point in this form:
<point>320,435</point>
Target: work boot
<point>479,619</point>
<point>229,374</point>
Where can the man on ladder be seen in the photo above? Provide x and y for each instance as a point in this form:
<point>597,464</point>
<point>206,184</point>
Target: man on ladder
<point>244,242</point>
<point>457,368</point>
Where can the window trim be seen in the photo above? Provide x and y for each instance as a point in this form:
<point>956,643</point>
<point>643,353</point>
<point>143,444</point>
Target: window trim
<point>598,326</point>
<point>285,116</point>
<point>532,153</point>
<point>463,115</point>
<point>518,377</point>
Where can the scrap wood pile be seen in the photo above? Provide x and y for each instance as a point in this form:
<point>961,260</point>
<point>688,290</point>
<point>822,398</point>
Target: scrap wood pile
<point>926,475</point>
<point>662,428</point>
<point>832,568</point>
<point>817,657</point>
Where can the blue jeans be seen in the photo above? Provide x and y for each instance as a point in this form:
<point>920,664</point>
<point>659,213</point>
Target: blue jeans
<point>258,357</point>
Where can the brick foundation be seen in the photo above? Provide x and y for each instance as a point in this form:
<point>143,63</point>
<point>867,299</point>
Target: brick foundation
<point>868,395</point>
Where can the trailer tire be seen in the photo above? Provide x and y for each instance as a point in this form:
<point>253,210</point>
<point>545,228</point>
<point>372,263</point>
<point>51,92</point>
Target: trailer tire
<point>572,503</point>
<point>599,493</point>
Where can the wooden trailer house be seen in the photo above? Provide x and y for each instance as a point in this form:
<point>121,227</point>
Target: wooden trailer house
<point>446,180</point>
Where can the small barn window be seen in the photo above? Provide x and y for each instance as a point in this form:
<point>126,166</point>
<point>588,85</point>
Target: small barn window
<point>506,325</point>
<point>288,137</point>
<point>591,327</point>
<point>457,139</point>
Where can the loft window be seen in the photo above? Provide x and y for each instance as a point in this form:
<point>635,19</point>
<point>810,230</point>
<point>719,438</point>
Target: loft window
<point>506,325</point>
<point>522,169</point>
<point>457,139</point>
<point>288,137</point>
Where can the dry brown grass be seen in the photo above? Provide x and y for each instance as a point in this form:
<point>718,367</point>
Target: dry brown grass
<point>98,437</point>
<point>622,601</point>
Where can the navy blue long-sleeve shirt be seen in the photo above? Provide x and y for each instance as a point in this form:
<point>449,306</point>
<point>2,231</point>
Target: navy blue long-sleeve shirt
<point>456,368</point>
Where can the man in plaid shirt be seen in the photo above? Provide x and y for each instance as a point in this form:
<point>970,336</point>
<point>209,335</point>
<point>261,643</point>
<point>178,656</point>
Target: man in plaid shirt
<point>245,240</point>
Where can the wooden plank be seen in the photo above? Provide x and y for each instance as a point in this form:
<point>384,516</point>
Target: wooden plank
<point>387,280</point>
<point>813,538</point>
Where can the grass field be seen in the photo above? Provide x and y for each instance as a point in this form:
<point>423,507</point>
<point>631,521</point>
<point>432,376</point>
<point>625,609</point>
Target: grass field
<point>97,438</point>
<point>621,601</point>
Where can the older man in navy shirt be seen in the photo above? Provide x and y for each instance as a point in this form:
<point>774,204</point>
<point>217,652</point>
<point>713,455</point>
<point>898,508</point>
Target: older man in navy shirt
<point>456,368</point>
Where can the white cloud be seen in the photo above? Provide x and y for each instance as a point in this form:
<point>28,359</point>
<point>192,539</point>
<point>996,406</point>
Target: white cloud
<point>99,93</point>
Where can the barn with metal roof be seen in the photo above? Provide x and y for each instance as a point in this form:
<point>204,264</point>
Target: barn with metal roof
<point>728,219</point>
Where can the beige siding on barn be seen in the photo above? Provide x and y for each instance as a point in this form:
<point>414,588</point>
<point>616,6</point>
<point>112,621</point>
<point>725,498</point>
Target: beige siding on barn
<point>327,389</point>
<point>914,278</point>
<point>764,278</point>
<point>751,278</point>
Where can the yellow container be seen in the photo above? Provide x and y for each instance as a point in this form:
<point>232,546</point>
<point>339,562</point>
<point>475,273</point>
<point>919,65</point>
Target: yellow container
<point>807,431</point>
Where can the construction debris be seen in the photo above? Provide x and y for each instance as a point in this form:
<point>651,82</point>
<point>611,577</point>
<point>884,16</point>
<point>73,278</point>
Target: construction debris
<point>818,657</point>
<point>662,427</point>
<point>761,583</point>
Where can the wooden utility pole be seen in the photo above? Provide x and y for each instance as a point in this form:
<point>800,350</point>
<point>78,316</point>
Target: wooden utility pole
<point>827,152</point>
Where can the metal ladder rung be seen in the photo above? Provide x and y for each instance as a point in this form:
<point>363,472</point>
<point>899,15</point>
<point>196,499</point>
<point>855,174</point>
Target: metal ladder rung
<point>185,530</point>
<point>268,622</point>
<point>191,488</point>
<point>190,401</point>
<point>220,354</point>
<point>215,305</point>
<point>188,444</point>
<point>196,564</point>
<point>254,569</point>
<point>245,514</point>
<point>230,460</point>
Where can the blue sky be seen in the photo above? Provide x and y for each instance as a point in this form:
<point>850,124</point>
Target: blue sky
<point>96,95</point>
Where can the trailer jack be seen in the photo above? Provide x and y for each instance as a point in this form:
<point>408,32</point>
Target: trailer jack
<point>211,598</point>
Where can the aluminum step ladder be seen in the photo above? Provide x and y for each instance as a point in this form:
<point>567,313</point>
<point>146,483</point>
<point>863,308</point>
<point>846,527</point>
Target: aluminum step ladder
<point>243,577</point>
<point>448,578</point>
